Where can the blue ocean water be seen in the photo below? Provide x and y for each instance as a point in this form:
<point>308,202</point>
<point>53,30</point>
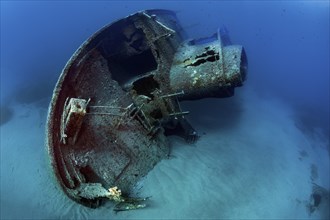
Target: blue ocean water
<point>287,44</point>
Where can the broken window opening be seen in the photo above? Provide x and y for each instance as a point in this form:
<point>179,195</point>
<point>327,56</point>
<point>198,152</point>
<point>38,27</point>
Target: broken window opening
<point>145,86</point>
<point>128,52</point>
<point>208,56</point>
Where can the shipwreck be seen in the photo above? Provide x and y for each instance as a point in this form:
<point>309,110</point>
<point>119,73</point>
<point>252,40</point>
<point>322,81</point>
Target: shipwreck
<point>119,96</point>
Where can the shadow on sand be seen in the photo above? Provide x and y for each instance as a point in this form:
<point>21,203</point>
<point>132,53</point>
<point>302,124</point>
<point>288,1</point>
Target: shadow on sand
<point>6,114</point>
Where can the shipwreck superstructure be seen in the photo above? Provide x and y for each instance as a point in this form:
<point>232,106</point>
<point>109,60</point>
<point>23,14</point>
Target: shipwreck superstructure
<point>119,95</point>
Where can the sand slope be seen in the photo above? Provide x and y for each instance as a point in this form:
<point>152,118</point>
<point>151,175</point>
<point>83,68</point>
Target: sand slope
<point>251,162</point>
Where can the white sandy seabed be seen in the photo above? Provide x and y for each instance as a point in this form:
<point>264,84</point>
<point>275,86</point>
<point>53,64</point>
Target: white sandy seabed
<point>251,162</point>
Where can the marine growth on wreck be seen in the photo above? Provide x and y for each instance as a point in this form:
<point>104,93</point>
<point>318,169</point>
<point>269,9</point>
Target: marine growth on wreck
<point>119,95</point>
